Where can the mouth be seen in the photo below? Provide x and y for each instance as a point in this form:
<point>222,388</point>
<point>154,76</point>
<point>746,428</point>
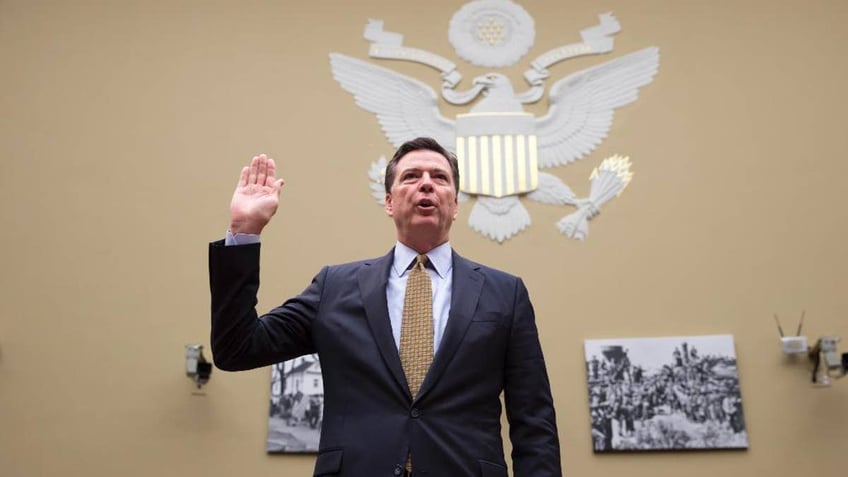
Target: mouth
<point>425,204</point>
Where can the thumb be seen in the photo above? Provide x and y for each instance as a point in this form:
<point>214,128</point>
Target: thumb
<point>278,184</point>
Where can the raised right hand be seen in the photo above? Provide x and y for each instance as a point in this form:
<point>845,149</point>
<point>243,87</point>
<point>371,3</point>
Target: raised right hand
<point>256,197</point>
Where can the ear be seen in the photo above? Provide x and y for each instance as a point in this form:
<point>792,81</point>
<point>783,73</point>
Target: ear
<point>389,207</point>
<point>455,209</point>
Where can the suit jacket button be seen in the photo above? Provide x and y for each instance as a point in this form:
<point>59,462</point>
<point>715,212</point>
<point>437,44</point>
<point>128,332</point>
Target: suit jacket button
<point>398,470</point>
<point>415,412</point>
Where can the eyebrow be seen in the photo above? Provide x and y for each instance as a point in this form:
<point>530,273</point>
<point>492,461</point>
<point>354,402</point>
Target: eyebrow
<point>419,169</point>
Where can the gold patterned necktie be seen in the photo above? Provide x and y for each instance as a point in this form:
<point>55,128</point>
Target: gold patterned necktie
<point>416,330</point>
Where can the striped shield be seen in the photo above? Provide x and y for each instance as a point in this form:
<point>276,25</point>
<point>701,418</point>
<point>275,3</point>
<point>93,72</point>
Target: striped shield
<point>497,153</point>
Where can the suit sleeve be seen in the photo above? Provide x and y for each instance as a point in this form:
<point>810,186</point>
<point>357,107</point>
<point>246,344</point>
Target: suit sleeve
<point>241,340</point>
<point>527,394</point>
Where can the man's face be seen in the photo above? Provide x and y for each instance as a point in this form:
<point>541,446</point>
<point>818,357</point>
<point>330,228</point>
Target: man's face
<point>422,200</point>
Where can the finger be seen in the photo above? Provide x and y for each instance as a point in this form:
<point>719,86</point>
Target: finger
<point>272,173</point>
<point>245,172</point>
<point>262,170</point>
<point>254,170</point>
<point>278,185</point>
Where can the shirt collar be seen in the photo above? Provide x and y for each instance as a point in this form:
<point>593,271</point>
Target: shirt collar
<point>441,259</point>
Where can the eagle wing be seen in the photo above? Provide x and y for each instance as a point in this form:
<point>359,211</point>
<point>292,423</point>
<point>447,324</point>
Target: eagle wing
<point>405,107</point>
<point>582,105</point>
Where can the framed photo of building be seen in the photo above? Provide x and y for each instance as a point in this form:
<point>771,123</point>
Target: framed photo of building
<point>297,406</point>
<point>672,393</point>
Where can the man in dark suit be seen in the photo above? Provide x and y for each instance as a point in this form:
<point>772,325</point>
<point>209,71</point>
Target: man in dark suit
<point>377,421</point>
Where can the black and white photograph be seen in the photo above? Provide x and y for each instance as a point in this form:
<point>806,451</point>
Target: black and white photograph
<point>668,393</point>
<point>297,405</point>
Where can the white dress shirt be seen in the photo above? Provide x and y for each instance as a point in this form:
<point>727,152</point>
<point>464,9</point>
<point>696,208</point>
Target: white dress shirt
<point>440,270</point>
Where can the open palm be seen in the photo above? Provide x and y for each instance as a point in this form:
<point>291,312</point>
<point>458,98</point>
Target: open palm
<point>256,197</point>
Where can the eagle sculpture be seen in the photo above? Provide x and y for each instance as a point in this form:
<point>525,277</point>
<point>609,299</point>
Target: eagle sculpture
<point>580,115</point>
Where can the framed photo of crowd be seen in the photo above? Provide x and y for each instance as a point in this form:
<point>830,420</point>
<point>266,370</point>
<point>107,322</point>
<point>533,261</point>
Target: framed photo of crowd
<point>669,393</point>
<point>296,407</point>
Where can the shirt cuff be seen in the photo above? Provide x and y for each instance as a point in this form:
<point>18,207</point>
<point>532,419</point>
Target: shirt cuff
<point>240,239</point>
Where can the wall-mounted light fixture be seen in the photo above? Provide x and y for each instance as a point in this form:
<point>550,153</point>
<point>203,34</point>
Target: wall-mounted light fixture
<point>827,363</point>
<point>197,368</point>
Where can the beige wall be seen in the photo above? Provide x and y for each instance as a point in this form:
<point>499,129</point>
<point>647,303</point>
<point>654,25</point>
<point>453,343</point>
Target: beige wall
<point>123,126</point>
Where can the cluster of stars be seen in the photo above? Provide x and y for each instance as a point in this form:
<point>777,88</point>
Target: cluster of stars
<point>491,30</point>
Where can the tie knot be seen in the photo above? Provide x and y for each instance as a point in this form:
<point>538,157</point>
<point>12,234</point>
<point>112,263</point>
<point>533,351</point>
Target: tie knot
<point>422,260</point>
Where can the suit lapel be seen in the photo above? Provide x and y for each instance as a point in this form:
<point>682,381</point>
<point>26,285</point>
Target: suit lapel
<point>467,285</point>
<point>373,278</point>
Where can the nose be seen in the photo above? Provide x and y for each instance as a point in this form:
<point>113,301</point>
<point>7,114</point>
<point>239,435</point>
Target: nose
<point>426,183</point>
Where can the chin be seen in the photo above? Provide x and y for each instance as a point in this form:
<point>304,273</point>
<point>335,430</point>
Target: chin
<point>425,227</point>
<point>429,224</point>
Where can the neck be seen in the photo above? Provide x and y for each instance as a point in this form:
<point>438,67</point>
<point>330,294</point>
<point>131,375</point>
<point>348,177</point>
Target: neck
<point>421,245</point>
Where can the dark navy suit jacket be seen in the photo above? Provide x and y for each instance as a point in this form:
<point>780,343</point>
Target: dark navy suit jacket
<point>371,423</point>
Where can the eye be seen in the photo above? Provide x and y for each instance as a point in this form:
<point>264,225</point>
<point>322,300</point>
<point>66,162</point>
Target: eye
<point>407,175</point>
